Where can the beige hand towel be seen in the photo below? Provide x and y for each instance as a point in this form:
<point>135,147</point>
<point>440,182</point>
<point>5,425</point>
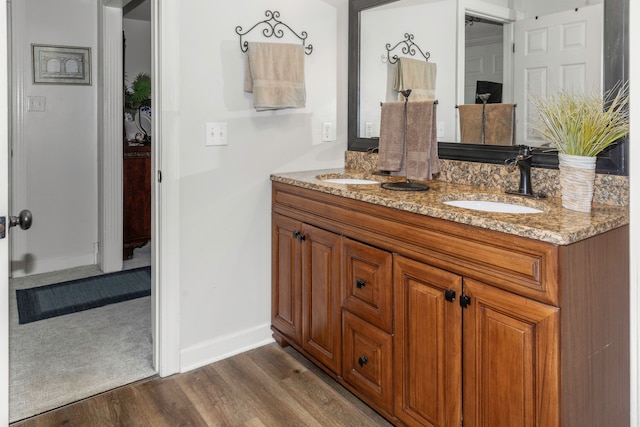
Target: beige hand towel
<point>417,75</point>
<point>275,74</point>
<point>470,123</point>
<point>391,143</point>
<point>422,160</point>
<point>499,127</point>
<point>415,157</point>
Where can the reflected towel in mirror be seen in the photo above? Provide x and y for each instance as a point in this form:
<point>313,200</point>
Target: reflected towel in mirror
<point>470,123</point>
<point>500,124</point>
<point>417,75</point>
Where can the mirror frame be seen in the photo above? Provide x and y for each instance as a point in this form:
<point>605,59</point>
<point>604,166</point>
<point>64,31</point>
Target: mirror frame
<point>615,69</point>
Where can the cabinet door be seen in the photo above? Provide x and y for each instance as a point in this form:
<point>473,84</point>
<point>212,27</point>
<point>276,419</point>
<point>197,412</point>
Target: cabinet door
<point>321,326</point>
<point>285,278</point>
<point>427,344</point>
<point>510,359</point>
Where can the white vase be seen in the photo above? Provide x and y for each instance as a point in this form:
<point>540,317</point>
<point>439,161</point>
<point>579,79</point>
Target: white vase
<point>577,177</point>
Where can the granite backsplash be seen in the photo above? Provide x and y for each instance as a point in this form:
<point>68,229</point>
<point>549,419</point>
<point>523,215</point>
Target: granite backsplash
<point>609,189</point>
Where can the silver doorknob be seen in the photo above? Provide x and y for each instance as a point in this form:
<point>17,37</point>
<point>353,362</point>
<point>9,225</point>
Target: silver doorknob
<point>24,219</point>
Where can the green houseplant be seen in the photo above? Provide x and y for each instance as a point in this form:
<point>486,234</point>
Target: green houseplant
<point>580,126</point>
<point>136,96</point>
<point>138,93</point>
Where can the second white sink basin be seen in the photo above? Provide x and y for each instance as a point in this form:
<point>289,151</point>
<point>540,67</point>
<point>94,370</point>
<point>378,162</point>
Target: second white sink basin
<point>483,205</point>
<point>350,181</point>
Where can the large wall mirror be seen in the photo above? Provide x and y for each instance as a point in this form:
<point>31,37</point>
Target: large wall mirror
<point>471,41</point>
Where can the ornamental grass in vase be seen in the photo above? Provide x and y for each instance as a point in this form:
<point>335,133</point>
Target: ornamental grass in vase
<point>580,126</point>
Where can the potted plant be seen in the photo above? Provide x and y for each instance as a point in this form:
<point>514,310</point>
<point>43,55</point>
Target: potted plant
<point>136,96</point>
<point>580,126</point>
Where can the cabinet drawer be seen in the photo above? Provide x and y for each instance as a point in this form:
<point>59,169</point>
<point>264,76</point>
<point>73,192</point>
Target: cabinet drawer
<point>367,288</point>
<point>367,360</point>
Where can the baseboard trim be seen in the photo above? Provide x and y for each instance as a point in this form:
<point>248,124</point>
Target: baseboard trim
<point>27,267</point>
<point>226,346</point>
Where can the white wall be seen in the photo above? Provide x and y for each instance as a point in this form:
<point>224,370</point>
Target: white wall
<point>224,226</point>
<point>138,48</point>
<point>60,144</point>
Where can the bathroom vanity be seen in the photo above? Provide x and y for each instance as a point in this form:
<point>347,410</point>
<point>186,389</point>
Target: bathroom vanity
<point>436,315</point>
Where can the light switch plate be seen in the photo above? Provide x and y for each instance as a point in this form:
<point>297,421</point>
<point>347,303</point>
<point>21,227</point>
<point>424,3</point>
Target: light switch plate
<point>36,103</point>
<point>328,132</point>
<point>215,134</point>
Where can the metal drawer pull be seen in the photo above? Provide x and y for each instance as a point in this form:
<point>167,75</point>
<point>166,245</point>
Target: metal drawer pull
<point>360,283</point>
<point>362,360</point>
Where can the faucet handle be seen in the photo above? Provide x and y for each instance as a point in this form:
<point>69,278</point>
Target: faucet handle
<point>525,150</point>
<point>511,163</point>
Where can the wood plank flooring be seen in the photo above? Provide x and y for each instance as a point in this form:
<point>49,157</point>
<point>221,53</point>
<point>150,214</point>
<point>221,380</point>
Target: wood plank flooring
<point>268,386</point>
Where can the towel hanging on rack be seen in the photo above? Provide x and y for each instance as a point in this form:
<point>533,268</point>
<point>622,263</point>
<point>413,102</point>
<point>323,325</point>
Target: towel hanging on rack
<point>408,139</point>
<point>274,73</point>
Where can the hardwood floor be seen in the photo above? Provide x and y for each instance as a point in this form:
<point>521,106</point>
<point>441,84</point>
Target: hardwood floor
<point>268,386</point>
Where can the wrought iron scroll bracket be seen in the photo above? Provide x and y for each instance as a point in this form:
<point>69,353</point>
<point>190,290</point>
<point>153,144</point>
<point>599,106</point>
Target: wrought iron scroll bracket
<point>273,27</point>
<point>408,48</point>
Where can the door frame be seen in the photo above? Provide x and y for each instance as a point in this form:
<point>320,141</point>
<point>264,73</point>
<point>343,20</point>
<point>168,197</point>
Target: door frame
<point>4,211</point>
<point>165,247</point>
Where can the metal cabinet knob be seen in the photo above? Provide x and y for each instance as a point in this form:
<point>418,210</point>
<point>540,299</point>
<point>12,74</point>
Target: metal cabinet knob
<point>362,360</point>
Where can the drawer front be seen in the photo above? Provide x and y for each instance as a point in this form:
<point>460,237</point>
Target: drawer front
<point>367,288</point>
<point>367,360</point>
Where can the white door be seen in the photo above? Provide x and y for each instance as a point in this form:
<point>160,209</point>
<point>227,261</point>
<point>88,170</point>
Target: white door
<point>560,51</point>
<point>4,211</point>
<point>482,62</point>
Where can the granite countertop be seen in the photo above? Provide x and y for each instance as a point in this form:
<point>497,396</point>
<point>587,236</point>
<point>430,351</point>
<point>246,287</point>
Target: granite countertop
<point>554,225</point>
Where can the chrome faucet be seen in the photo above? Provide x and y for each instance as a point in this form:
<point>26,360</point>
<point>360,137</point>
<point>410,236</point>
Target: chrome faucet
<point>523,162</point>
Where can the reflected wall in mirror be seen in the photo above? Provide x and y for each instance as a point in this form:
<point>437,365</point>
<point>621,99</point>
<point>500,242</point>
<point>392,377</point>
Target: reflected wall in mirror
<point>373,23</point>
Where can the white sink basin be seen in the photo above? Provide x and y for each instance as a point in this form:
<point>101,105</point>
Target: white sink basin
<point>482,205</point>
<point>350,181</point>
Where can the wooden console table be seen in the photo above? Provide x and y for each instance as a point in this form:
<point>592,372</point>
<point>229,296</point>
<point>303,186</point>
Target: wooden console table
<point>136,171</point>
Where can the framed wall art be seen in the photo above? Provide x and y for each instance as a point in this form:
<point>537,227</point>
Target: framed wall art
<point>67,65</point>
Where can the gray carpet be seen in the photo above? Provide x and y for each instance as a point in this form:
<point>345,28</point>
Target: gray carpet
<point>57,361</point>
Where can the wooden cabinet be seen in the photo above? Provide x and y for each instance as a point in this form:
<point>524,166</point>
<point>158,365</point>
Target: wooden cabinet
<point>306,290</point>
<point>136,183</point>
<point>458,337</point>
<point>286,292</point>
<point>446,324</point>
<point>428,344</point>
<point>510,359</point>
<point>321,331</point>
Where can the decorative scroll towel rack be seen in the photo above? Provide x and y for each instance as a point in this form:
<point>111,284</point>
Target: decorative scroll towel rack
<point>272,28</point>
<point>408,48</point>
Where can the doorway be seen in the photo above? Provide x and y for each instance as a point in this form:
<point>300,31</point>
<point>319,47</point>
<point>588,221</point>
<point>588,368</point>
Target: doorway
<point>83,332</point>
